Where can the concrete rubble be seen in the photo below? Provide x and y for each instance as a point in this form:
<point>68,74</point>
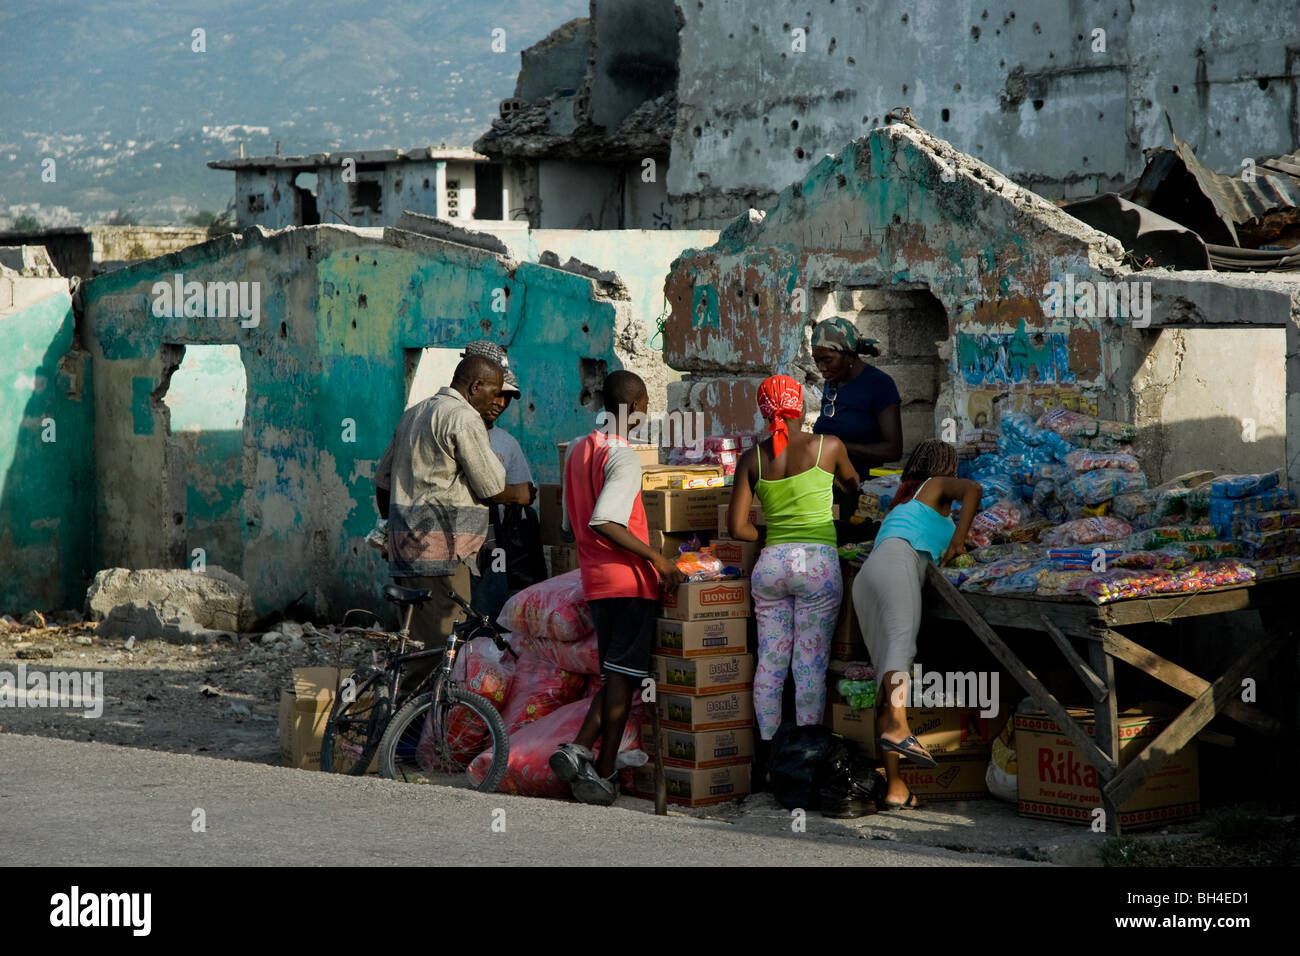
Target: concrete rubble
<point>181,607</point>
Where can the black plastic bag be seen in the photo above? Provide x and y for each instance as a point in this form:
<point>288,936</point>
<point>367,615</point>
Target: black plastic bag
<point>519,534</point>
<point>846,774</point>
<point>798,764</point>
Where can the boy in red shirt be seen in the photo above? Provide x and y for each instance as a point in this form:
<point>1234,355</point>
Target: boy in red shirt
<point>621,580</point>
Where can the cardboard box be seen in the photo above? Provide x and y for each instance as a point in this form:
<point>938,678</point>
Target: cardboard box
<point>707,600</point>
<point>550,512</point>
<point>649,454</point>
<point>564,558</point>
<point>304,711</point>
<point>726,635</point>
<point>846,641</point>
<point>755,517</point>
<point>680,476</point>
<point>958,777</point>
<point>669,545</point>
<point>696,788</point>
<point>710,712</point>
<point>739,554</point>
<point>678,510</point>
<point>940,730</point>
<point>1056,783</point>
<point>712,748</point>
<point>703,675</point>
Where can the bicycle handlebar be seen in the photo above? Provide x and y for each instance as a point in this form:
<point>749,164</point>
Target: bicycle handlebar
<point>484,621</point>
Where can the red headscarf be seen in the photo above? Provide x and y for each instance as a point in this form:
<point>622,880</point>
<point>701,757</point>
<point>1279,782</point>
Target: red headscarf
<point>780,397</point>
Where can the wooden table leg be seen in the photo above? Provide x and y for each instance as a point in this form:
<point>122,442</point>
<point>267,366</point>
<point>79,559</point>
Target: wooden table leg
<point>1105,712</point>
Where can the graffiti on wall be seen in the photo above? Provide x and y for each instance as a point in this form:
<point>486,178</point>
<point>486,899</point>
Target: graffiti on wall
<point>1014,358</point>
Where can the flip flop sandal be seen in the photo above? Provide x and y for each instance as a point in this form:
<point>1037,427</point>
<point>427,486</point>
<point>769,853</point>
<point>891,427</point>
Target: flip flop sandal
<point>910,748</point>
<point>911,803</point>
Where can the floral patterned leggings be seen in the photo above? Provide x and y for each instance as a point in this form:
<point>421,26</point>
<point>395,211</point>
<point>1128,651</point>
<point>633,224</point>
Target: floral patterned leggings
<point>797,591</point>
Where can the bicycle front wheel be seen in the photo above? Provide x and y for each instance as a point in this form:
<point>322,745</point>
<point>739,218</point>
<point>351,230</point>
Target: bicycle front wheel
<point>449,736</point>
<point>356,723</point>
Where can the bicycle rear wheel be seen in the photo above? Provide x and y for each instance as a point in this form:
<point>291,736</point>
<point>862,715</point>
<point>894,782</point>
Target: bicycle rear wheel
<point>356,723</point>
<point>450,737</point>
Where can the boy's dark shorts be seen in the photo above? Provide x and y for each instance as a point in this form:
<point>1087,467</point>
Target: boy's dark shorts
<point>625,630</point>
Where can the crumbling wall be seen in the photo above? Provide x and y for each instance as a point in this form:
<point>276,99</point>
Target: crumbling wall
<point>895,231</point>
<point>633,56</point>
<point>265,197</point>
<point>46,451</point>
<point>325,366</point>
<point>556,63</point>
<point>1062,97</point>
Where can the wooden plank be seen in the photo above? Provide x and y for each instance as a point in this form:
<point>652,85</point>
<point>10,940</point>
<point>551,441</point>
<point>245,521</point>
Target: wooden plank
<point>1105,725</point>
<point>1091,681</point>
<point>1042,696</point>
<point>1187,724</point>
<point>1184,680</point>
<point>1072,617</point>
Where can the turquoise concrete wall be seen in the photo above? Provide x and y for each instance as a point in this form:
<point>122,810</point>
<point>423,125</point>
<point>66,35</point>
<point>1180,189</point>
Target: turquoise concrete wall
<point>326,386</point>
<point>46,487</point>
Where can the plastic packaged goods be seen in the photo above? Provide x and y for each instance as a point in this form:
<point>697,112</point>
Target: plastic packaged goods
<point>578,657</point>
<point>552,608</point>
<point>1025,581</point>
<point>1001,552</point>
<point>1062,583</point>
<point>1026,533</point>
<point>1243,486</point>
<point>1122,584</point>
<point>1269,544</point>
<point>1086,531</point>
<point>487,670</point>
<point>1265,567</point>
<point>984,576</point>
<point>1094,487</point>
<point>1086,460</point>
<point>1266,521</point>
<point>1050,471</point>
<point>1228,509</point>
<point>957,576</point>
<point>1168,559</point>
<point>1173,534</point>
<point>858,694</point>
<point>963,561</point>
<point>1073,425</point>
<point>1206,550</point>
<point>1081,559</point>
<point>701,565</point>
<point>540,688</point>
<point>1003,515</point>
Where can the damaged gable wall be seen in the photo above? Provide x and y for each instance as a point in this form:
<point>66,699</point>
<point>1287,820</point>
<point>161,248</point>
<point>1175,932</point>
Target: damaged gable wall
<point>325,373</point>
<point>46,453</point>
<point>899,229</point>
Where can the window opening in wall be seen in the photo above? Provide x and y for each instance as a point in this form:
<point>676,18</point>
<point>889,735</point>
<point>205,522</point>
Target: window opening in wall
<point>206,399</point>
<point>489,184</point>
<point>304,191</point>
<point>366,194</point>
<point>428,370</point>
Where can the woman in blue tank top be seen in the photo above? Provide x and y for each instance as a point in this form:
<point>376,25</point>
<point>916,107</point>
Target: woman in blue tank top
<point>887,591</point>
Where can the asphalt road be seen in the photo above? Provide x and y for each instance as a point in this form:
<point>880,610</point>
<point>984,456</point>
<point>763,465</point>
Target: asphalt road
<point>91,804</point>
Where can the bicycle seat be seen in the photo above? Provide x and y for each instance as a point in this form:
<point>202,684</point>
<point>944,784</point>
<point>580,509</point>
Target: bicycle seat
<point>406,595</point>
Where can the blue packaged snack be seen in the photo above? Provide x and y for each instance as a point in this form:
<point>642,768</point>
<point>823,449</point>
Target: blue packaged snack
<point>1243,486</point>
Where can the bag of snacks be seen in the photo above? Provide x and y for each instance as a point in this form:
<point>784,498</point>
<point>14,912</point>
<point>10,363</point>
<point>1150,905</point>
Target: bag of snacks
<point>983,576</point>
<point>1002,516</point>
<point>540,688</point>
<point>1094,487</point>
<point>1086,460</point>
<point>701,565</point>
<point>1085,531</point>
<point>1020,582</point>
<point>1243,486</point>
<point>552,608</point>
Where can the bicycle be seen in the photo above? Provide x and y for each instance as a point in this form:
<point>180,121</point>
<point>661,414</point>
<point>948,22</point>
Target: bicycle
<point>428,733</point>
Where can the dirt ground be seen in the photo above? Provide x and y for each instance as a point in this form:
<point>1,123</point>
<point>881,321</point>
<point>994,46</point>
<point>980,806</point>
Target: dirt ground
<point>220,699</point>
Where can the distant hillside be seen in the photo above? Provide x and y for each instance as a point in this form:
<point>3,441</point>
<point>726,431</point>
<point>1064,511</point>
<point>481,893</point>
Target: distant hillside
<point>113,92</point>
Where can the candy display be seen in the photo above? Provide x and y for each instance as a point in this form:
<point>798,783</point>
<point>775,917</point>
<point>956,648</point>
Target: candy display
<point>1170,559</point>
<point>1121,584</point>
<point>1086,531</point>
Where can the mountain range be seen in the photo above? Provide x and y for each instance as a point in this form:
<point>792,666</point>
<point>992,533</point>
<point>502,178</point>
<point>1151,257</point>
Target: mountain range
<point>130,102</point>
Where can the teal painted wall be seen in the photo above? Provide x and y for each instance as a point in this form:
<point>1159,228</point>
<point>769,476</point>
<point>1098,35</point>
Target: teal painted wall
<point>325,373</point>
<point>46,487</point>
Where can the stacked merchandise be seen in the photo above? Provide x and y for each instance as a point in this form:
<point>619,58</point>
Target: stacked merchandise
<point>721,450</point>
<point>960,737</point>
<point>704,683</point>
<point>542,696</point>
<point>1067,511</point>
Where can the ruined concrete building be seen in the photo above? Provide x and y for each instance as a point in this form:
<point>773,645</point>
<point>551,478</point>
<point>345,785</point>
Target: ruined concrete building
<point>949,264</point>
<point>588,130</point>
<point>1063,98</point>
<point>369,187</point>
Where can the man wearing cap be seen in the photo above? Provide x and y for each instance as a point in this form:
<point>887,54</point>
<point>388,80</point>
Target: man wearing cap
<point>492,587</point>
<point>860,403</point>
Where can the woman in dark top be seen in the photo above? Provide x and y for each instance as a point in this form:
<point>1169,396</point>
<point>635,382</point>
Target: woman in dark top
<point>860,407</point>
<point>860,403</point>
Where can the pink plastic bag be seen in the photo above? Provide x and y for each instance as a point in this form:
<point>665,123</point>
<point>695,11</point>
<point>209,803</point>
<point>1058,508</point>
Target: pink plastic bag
<point>580,657</point>
<point>553,608</point>
<point>528,772</point>
<point>487,671</point>
<point>540,688</point>
<point>1085,531</point>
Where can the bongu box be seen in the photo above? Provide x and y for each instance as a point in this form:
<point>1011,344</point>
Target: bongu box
<point>707,600</point>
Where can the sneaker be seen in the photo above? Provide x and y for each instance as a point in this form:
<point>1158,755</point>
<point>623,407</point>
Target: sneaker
<point>591,787</point>
<point>568,761</point>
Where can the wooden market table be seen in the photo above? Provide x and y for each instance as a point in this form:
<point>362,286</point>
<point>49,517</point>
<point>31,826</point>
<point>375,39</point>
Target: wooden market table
<point>1066,618</point>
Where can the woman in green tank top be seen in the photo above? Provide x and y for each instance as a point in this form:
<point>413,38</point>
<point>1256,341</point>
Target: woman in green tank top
<point>796,583</point>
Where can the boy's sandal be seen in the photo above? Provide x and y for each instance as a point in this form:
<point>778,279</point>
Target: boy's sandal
<point>910,748</point>
<point>911,803</point>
